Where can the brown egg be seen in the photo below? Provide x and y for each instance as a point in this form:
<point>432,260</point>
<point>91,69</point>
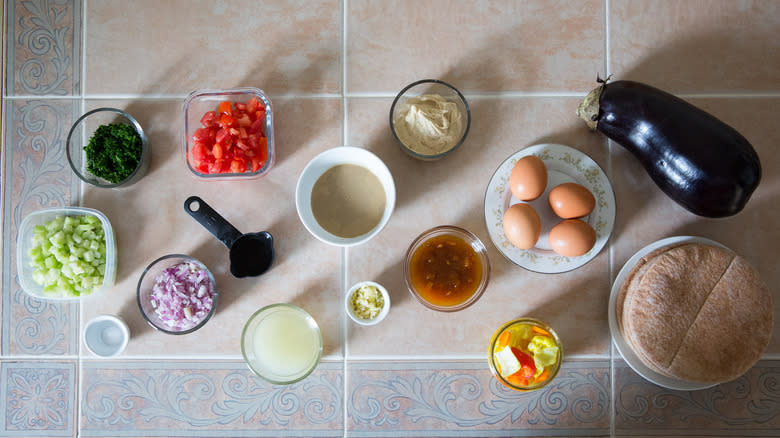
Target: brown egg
<point>528,178</point>
<point>571,200</point>
<point>572,238</point>
<point>522,226</point>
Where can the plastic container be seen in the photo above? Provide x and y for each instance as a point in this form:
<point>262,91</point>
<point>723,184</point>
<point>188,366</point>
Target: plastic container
<point>201,101</point>
<point>431,86</point>
<point>553,371</point>
<point>358,319</point>
<point>472,240</point>
<point>145,288</point>
<point>25,242</point>
<point>80,134</point>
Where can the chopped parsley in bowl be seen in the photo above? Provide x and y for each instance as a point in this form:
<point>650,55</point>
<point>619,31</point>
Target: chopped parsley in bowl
<point>107,147</point>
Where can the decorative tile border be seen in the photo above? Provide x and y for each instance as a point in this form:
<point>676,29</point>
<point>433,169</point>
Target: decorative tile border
<point>39,398</point>
<point>36,175</point>
<point>44,52</point>
<point>217,398</point>
<point>748,406</point>
<point>463,399</point>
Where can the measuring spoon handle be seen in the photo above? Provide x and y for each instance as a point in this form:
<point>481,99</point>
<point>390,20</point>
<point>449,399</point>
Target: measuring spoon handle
<point>211,220</point>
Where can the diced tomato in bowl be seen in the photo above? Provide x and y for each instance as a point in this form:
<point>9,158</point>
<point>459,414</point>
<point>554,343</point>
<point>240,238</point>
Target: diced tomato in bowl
<point>228,134</point>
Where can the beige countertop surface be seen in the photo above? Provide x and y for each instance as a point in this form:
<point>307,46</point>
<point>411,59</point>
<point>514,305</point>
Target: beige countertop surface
<point>332,69</point>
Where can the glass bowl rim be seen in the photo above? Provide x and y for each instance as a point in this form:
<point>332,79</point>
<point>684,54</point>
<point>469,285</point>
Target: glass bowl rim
<point>138,129</point>
<point>526,319</point>
<point>471,239</point>
<point>448,151</point>
<point>308,316</point>
<point>213,303</point>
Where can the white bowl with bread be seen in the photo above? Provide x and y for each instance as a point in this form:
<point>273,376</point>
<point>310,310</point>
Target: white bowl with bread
<point>688,313</point>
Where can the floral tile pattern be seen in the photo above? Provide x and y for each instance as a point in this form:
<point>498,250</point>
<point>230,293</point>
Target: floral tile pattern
<point>39,398</point>
<point>748,406</point>
<point>37,176</point>
<point>463,399</point>
<point>44,53</point>
<point>207,399</point>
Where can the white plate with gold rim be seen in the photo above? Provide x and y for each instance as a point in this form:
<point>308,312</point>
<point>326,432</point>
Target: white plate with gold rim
<point>564,164</point>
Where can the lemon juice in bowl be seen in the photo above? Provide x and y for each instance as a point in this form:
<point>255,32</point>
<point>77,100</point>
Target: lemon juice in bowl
<point>281,343</point>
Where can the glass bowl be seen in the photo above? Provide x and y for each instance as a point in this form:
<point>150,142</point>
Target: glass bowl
<point>25,243</point>
<point>83,130</point>
<point>535,324</point>
<point>281,343</point>
<point>146,288</point>
<point>359,319</point>
<point>472,243</point>
<point>200,102</point>
<point>400,107</point>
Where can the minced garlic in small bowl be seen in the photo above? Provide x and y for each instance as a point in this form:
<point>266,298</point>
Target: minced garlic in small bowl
<point>367,303</point>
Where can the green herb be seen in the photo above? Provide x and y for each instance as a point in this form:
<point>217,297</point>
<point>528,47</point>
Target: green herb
<point>113,152</point>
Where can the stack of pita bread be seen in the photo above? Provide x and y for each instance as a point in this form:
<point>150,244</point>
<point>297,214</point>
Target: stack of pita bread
<point>695,312</point>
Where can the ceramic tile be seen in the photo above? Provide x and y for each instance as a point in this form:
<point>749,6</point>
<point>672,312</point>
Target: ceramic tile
<point>463,399</point>
<point>280,47</point>
<point>748,406</point>
<point>207,399</point>
<point>44,52</point>
<point>36,175</point>
<point>451,191</point>
<point>484,46</point>
<point>150,221</point>
<point>645,214</point>
<point>697,46</point>
<point>39,398</point>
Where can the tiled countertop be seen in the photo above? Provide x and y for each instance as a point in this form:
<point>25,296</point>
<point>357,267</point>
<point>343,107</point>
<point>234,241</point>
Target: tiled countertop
<point>331,69</point>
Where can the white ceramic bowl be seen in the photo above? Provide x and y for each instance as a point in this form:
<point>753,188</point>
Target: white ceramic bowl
<point>106,336</point>
<point>324,161</point>
<point>382,314</point>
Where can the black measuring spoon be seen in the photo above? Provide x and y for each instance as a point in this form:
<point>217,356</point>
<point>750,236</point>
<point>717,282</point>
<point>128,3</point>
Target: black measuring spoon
<point>251,254</point>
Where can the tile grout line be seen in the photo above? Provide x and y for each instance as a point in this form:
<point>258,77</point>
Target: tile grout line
<point>83,90</point>
<point>611,252</point>
<point>345,250</point>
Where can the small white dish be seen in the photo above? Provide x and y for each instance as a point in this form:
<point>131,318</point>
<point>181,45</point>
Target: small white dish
<point>106,336</point>
<point>382,313</point>
<point>319,165</point>
<point>564,164</point>
<point>617,336</point>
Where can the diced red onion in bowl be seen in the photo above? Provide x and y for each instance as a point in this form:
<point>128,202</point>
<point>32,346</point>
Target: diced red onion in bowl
<point>182,296</point>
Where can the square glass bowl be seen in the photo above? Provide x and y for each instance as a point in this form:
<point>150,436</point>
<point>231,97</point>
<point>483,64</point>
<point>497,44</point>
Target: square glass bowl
<point>25,243</point>
<point>199,102</point>
<point>79,137</point>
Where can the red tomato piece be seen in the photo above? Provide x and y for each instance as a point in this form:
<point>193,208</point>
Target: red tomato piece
<point>257,127</point>
<point>217,151</point>
<point>225,108</point>
<point>208,119</point>
<point>252,105</point>
<point>240,106</point>
<point>202,135</point>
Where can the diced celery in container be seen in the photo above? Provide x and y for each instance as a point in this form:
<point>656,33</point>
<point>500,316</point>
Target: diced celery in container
<point>66,253</point>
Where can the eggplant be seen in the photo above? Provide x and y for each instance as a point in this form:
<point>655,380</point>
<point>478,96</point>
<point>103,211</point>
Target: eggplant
<point>700,162</point>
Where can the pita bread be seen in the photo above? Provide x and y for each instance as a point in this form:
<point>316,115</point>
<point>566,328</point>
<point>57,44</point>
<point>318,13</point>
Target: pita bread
<point>696,312</point>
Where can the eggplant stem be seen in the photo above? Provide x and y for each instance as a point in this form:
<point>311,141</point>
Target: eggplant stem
<point>589,108</point>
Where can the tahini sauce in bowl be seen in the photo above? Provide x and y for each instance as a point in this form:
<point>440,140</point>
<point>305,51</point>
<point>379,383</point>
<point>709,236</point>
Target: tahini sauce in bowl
<point>345,196</point>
